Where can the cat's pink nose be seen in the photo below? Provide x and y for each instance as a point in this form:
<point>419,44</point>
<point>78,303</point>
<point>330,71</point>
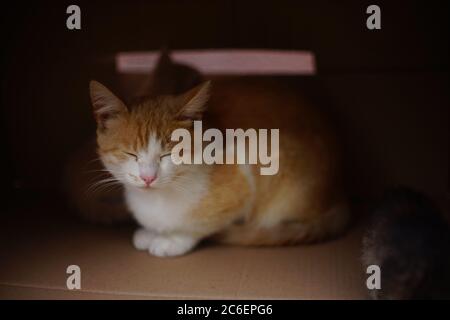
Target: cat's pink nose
<point>147,179</point>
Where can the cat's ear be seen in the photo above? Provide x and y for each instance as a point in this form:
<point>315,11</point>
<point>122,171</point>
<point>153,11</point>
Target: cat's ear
<point>106,105</point>
<point>193,102</point>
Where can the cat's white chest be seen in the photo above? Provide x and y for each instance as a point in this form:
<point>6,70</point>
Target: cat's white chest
<point>162,211</point>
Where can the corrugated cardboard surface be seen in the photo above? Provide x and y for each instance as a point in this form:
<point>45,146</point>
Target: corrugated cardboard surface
<point>38,243</point>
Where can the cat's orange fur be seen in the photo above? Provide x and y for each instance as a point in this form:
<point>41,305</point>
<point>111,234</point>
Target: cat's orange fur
<point>303,202</point>
<point>306,196</point>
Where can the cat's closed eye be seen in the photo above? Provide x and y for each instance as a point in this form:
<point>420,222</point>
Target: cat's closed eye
<point>131,155</point>
<point>164,155</point>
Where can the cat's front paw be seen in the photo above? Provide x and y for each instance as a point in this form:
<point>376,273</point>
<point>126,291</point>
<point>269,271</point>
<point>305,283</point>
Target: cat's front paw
<point>142,238</point>
<point>171,245</point>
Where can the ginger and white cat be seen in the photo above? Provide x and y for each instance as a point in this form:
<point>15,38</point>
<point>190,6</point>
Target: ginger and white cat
<point>179,205</point>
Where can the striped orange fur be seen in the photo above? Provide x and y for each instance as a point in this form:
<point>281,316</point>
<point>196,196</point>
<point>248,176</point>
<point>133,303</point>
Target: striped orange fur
<point>303,202</point>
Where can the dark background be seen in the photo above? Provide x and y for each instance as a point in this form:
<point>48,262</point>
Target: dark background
<point>46,67</point>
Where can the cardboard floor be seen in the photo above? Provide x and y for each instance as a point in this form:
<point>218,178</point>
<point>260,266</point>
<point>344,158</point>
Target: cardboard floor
<point>37,245</point>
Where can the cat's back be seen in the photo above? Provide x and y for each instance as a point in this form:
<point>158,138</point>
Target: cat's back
<point>260,103</point>
<point>304,129</point>
<point>308,181</point>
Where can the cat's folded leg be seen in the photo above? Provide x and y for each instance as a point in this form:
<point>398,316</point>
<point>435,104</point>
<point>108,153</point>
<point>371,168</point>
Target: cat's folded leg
<point>142,238</point>
<point>170,245</point>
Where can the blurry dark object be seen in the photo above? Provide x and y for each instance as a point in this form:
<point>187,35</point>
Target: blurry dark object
<point>169,77</point>
<point>409,240</point>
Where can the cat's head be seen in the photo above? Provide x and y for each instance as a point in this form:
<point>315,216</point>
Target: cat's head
<point>135,143</point>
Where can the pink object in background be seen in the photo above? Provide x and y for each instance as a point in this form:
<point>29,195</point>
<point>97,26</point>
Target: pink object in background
<point>225,62</point>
